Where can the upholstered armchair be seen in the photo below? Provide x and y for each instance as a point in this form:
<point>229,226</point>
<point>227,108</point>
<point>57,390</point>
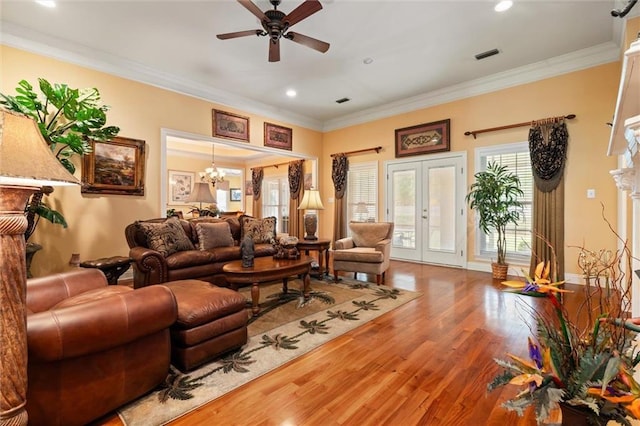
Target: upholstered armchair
<point>93,347</point>
<point>367,250</point>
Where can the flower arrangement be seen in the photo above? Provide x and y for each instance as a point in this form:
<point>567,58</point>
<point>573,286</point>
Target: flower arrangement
<point>584,359</point>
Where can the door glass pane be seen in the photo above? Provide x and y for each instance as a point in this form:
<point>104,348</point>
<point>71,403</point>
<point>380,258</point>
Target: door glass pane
<point>404,209</point>
<point>442,206</point>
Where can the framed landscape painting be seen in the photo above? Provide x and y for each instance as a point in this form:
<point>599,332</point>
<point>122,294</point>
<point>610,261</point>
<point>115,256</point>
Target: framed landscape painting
<point>180,186</point>
<point>114,167</point>
<point>232,126</point>
<point>423,139</point>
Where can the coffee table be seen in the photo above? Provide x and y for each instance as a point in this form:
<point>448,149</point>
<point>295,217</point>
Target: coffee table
<point>266,269</point>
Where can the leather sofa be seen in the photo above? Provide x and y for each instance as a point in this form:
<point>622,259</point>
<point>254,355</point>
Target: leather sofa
<point>89,345</point>
<point>152,267</point>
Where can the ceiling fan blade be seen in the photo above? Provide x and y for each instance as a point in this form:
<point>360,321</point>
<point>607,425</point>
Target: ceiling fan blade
<point>306,9</point>
<point>251,7</point>
<point>311,42</point>
<point>274,50</point>
<point>227,36</point>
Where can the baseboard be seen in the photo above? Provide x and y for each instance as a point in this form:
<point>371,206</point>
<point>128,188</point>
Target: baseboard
<point>516,270</point>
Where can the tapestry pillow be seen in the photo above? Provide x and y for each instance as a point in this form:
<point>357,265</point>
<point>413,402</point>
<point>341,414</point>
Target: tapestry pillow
<point>260,230</point>
<point>212,235</point>
<point>167,237</point>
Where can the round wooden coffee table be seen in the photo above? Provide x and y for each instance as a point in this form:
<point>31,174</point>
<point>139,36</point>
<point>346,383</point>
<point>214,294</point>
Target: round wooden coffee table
<point>266,269</point>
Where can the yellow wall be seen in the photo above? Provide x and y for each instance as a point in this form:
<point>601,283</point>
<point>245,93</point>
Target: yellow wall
<point>97,222</point>
<point>590,94</point>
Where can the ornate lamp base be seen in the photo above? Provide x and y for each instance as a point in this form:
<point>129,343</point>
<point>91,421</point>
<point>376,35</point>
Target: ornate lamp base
<point>310,226</point>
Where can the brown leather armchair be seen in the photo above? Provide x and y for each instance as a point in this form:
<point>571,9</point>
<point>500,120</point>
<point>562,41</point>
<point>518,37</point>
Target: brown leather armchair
<point>93,347</point>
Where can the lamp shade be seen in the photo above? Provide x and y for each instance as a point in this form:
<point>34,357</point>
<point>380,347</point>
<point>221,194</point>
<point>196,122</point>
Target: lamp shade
<point>201,194</point>
<point>311,200</point>
<point>25,157</point>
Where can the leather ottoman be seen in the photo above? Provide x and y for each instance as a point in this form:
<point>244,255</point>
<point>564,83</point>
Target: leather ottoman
<point>211,321</point>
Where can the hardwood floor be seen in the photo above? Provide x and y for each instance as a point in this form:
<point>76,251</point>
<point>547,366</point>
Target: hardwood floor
<point>425,363</point>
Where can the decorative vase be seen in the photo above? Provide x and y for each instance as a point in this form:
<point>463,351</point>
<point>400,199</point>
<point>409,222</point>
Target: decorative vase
<point>580,416</point>
<point>499,270</point>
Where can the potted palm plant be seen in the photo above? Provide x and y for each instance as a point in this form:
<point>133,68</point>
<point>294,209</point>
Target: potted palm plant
<point>68,120</point>
<point>494,196</point>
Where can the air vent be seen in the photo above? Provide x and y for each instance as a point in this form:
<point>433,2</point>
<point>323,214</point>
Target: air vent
<point>343,100</point>
<point>487,54</point>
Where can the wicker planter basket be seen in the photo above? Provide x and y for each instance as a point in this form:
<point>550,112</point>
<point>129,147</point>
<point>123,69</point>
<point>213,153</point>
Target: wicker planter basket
<point>499,271</point>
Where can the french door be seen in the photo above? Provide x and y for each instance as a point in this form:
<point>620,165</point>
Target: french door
<point>425,200</point>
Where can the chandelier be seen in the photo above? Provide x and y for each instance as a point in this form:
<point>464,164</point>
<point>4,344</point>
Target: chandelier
<point>212,174</point>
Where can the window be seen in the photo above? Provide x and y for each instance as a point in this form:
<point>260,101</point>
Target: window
<point>516,157</point>
<point>275,200</point>
<point>362,192</point>
<point>221,197</point>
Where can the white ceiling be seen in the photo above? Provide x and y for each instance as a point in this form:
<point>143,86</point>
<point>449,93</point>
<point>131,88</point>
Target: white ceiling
<point>422,51</point>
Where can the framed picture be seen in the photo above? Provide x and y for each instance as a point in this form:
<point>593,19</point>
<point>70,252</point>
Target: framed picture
<point>278,137</point>
<point>232,126</point>
<point>423,139</point>
<point>308,181</point>
<point>248,188</point>
<point>235,194</point>
<point>180,186</point>
<point>114,167</point>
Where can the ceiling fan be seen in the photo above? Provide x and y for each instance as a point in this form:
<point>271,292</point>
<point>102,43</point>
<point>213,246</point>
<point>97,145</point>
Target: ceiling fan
<point>276,25</point>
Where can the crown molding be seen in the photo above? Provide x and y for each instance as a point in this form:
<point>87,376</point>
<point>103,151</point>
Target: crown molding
<point>575,61</point>
<point>18,37</point>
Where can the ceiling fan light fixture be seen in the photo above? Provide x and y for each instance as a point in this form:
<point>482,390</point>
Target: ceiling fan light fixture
<point>276,25</point>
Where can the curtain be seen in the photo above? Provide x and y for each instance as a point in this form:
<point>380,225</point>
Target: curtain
<point>256,182</point>
<point>548,142</point>
<point>296,221</point>
<point>340,166</point>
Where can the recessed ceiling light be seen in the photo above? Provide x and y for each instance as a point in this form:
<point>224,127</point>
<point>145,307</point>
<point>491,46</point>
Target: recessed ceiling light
<point>367,61</point>
<point>291,93</point>
<point>503,5</point>
<point>46,3</point>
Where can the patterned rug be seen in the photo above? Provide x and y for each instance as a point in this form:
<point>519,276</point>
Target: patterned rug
<point>286,329</point>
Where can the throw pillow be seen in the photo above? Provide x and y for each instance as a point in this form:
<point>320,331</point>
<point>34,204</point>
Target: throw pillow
<point>167,237</point>
<point>260,230</point>
<point>212,235</point>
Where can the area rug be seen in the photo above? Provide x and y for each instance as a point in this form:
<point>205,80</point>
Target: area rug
<point>287,328</point>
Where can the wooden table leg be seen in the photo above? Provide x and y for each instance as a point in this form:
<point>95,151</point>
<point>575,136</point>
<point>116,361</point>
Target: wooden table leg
<point>306,280</point>
<point>326,261</point>
<point>320,267</point>
<point>285,285</point>
<point>255,299</point>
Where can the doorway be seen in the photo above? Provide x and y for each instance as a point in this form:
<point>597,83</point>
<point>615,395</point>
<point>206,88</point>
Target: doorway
<point>425,200</point>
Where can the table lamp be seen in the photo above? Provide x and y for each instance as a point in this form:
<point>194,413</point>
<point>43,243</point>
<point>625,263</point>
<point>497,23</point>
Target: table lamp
<point>201,194</point>
<point>26,164</point>
<point>311,201</point>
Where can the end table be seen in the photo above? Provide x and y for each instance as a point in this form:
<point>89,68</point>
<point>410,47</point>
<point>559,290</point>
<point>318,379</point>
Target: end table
<point>112,267</point>
<point>321,246</point>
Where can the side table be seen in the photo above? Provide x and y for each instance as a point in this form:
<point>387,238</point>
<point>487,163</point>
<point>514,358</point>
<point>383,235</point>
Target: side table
<point>321,246</point>
<point>112,267</point>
